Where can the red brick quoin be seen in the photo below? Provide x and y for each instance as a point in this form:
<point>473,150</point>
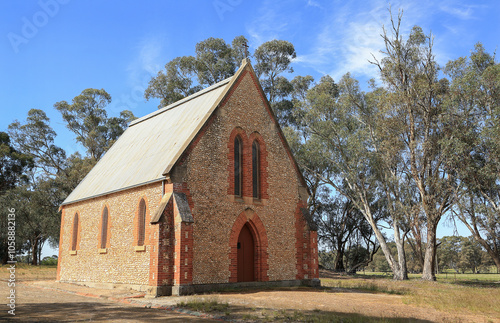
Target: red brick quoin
<point>306,246</point>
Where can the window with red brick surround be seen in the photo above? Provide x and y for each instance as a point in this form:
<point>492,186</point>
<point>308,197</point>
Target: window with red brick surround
<point>238,166</point>
<point>74,237</point>
<point>259,166</point>
<point>238,137</point>
<point>104,227</point>
<point>247,158</point>
<point>141,223</point>
<point>256,169</point>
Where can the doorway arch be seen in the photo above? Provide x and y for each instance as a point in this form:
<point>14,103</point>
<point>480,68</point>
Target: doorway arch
<point>249,223</point>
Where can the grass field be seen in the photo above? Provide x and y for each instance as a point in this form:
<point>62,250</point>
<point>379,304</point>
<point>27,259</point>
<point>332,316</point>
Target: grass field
<point>28,272</point>
<point>475,293</point>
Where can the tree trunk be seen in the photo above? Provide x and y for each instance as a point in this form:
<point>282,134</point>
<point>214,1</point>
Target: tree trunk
<point>401,271</point>
<point>34,252</point>
<point>417,249</point>
<point>339,259</point>
<point>429,272</point>
<point>5,257</point>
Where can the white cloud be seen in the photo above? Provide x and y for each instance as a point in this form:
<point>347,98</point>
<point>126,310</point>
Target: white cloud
<point>461,12</point>
<point>274,20</point>
<point>344,35</point>
<point>347,41</point>
<point>313,3</point>
<point>148,60</point>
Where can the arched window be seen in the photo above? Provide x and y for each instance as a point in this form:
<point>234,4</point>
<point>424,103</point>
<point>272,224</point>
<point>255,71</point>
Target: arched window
<point>238,148</point>
<point>104,227</point>
<point>256,169</point>
<point>74,238</point>
<point>141,225</point>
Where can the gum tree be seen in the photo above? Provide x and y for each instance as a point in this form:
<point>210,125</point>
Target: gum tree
<point>472,147</point>
<point>410,75</point>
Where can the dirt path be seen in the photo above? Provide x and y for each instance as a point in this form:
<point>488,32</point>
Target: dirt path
<point>367,305</point>
<point>52,302</point>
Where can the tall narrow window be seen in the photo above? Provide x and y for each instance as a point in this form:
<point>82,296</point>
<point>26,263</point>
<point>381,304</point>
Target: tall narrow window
<point>141,225</point>
<point>256,169</point>
<point>237,166</point>
<point>74,238</point>
<point>104,228</point>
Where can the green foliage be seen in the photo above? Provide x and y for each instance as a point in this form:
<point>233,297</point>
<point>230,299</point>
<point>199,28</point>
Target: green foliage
<point>13,164</point>
<point>472,148</point>
<point>88,119</point>
<point>214,61</point>
<point>35,138</point>
<point>175,83</point>
<point>272,59</point>
<point>49,261</point>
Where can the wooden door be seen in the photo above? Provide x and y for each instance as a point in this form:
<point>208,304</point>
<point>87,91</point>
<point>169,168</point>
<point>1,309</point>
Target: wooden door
<point>246,254</point>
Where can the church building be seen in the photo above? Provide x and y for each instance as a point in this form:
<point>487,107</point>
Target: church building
<point>200,195</point>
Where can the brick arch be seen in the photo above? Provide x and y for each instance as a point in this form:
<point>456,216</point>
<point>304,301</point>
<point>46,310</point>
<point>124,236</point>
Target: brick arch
<point>255,136</point>
<point>261,243</point>
<point>238,131</point>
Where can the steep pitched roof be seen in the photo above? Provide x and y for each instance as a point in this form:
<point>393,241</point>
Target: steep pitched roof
<point>148,145</point>
<point>151,145</point>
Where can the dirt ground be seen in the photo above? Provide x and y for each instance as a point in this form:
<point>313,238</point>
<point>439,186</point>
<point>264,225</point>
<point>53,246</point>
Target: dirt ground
<point>46,300</point>
<point>39,301</point>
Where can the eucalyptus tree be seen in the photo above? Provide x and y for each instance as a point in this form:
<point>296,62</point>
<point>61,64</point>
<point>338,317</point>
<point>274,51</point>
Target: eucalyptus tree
<point>13,164</point>
<point>35,138</point>
<point>274,58</point>
<point>472,146</point>
<point>341,124</point>
<point>215,60</point>
<point>87,118</point>
<point>410,75</point>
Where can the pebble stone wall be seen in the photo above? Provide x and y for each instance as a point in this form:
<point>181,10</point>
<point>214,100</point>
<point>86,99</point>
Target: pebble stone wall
<point>207,172</point>
<point>120,262</point>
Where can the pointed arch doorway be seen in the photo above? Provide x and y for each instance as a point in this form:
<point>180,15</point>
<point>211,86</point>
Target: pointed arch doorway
<point>249,234</point>
<point>246,255</point>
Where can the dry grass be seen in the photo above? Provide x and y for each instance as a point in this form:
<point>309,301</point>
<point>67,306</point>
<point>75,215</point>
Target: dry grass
<point>478,296</point>
<point>454,297</point>
<point>28,272</point>
<point>211,305</point>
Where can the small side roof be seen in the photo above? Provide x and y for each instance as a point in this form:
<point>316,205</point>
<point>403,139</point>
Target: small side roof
<point>149,145</point>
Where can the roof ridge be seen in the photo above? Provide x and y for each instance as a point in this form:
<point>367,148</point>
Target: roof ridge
<point>182,101</point>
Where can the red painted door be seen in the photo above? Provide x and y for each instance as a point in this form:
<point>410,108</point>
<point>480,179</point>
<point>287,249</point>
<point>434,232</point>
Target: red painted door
<point>246,262</point>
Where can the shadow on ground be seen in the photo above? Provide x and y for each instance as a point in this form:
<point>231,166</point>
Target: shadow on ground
<point>93,311</point>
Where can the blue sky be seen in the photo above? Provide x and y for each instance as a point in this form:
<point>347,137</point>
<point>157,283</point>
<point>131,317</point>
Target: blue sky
<point>51,50</point>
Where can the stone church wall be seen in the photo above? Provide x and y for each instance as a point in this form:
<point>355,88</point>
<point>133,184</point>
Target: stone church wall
<point>207,169</point>
<point>121,262</point>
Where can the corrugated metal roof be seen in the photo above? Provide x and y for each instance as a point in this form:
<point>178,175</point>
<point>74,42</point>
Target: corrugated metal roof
<point>150,146</point>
